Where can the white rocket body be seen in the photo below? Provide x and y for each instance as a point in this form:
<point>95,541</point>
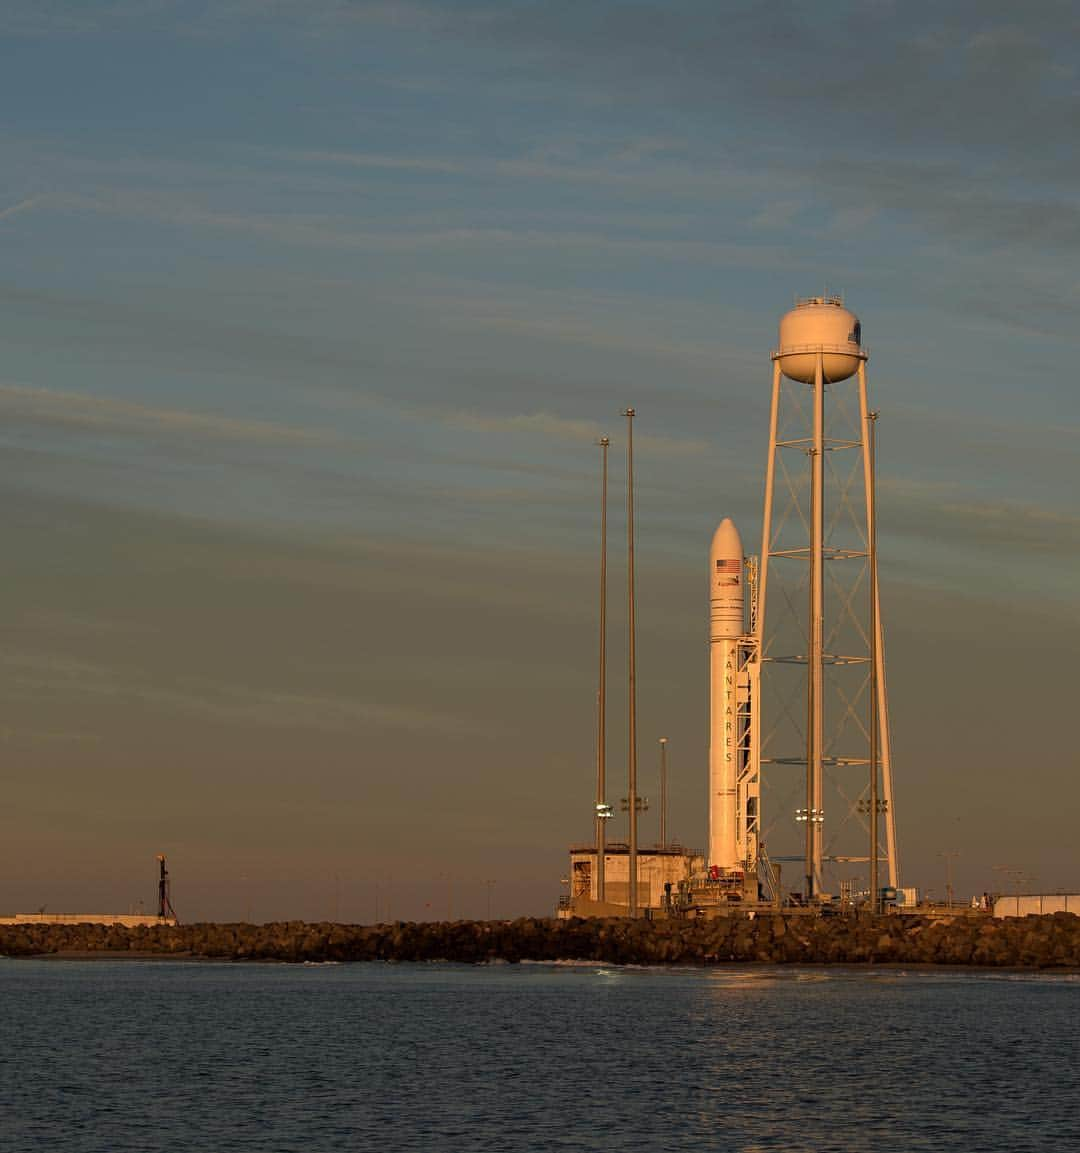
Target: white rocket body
<point>726,625</point>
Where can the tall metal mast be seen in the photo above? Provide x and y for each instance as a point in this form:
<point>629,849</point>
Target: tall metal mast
<point>663,792</point>
<point>603,811</point>
<point>632,802</point>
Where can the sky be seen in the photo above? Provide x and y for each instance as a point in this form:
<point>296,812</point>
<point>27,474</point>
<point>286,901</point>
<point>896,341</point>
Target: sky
<point>310,314</point>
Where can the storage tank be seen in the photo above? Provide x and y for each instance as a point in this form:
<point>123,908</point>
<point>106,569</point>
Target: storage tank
<point>820,324</point>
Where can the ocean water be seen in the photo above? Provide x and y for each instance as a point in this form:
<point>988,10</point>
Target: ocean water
<point>162,1055</point>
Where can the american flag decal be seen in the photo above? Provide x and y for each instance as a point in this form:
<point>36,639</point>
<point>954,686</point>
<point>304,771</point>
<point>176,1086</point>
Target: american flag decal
<point>730,565</point>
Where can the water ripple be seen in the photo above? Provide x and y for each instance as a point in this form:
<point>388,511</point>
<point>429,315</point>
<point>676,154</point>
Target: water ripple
<point>118,1056</point>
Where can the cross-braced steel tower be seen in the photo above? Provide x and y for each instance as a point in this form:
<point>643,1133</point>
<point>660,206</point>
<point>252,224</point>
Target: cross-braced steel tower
<point>165,908</point>
<point>826,768</point>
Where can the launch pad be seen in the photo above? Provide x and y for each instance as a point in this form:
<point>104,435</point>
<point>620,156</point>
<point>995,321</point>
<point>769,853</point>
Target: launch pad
<point>799,751</point>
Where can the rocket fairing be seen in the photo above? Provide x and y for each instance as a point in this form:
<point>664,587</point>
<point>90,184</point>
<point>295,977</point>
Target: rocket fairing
<point>726,626</point>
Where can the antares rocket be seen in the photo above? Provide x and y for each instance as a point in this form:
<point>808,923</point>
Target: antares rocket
<point>732,781</point>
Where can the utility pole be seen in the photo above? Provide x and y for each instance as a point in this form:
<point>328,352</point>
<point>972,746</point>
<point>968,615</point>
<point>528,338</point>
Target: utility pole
<point>632,854</point>
<point>663,792</point>
<point>603,809</point>
<point>949,855</point>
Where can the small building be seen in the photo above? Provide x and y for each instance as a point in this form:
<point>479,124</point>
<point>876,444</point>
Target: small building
<point>661,870</point>
<point>1036,904</point>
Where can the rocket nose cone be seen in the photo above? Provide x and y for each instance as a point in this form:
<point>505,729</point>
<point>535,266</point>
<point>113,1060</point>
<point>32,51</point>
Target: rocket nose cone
<point>725,541</point>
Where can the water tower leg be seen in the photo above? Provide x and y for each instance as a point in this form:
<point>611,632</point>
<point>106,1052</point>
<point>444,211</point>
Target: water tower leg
<point>886,756</point>
<point>884,747</point>
<point>766,523</point>
<point>816,667</point>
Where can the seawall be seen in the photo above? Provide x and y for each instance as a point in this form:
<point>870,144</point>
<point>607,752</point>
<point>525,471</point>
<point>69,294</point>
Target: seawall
<point>1030,942</point>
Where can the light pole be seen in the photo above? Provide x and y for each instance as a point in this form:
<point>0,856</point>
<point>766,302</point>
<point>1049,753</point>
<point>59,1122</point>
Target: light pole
<point>663,792</point>
<point>632,854</point>
<point>449,893</point>
<point>868,809</point>
<point>490,885</point>
<point>1018,876</point>
<point>814,819</point>
<point>603,810</point>
<point>949,855</point>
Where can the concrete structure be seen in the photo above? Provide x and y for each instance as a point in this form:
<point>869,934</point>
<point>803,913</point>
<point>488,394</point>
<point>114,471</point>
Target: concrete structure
<point>656,867</point>
<point>128,920</point>
<point>1037,904</point>
<point>818,622</point>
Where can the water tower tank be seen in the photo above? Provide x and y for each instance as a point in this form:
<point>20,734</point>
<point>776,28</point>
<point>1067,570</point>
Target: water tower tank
<point>820,324</point>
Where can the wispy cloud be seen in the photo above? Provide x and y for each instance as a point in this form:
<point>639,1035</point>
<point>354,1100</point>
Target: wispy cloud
<point>949,515</point>
<point>613,325</point>
<point>405,237</point>
<point>22,206</point>
<point>618,162</point>
<point>21,737</point>
<point>75,410</point>
<point>217,701</point>
<point>546,425</point>
<point>310,17</point>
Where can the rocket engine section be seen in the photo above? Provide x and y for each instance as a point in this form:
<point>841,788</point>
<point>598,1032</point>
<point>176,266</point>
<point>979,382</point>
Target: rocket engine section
<point>728,697</point>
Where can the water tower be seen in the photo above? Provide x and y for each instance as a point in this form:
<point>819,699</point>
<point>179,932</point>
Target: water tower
<point>826,770</point>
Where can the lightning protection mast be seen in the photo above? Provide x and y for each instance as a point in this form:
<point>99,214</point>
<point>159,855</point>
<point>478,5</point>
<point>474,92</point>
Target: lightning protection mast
<point>631,673</point>
<point>819,621</point>
<point>603,809</point>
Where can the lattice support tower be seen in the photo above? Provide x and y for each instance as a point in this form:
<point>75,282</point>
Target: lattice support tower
<point>815,619</point>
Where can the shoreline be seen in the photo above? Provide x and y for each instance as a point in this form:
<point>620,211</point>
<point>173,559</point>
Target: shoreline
<point>146,957</point>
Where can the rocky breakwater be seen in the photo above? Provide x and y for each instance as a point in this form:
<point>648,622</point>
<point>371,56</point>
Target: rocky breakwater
<point>1029,942</point>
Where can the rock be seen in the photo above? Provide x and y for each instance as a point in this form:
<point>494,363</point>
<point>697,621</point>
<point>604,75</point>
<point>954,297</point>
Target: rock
<point>1036,942</point>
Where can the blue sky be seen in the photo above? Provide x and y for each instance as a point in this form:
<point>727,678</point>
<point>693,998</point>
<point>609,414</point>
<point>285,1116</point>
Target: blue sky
<point>310,313</point>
